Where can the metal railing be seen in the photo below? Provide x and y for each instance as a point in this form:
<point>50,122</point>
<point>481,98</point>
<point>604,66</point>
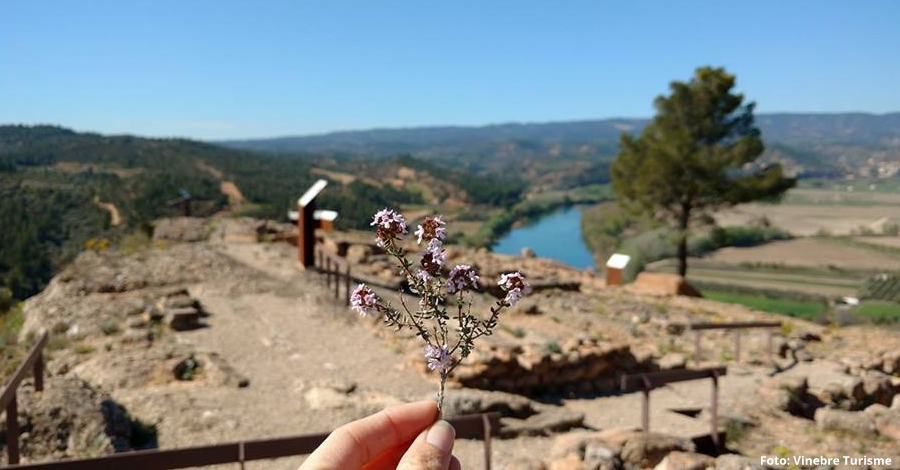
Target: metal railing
<point>467,427</point>
<point>336,270</point>
<point>648,381</point>
<point>737,326</point>
<point>33,363</point>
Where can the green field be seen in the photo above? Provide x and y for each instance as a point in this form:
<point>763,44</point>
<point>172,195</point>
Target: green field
<point>878,312</point>
<point>796,308</point>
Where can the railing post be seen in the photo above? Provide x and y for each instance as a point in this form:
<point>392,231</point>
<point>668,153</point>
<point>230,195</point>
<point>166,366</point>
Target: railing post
<point>39,372</point>
<point>337,280</point>
<point>737,346</point>
<point>645,406</point>
<point>769,344</point>
<point>487,441</point>
<point>347,284</point>
<point>714,411</point>
<point>327,270</point>
<point>12,431</point>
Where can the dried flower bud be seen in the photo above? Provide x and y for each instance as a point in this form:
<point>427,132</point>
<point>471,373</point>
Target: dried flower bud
<point>363,300</point>
<point>462,277</point>
<point>515,285</point>
<point>388,226</point>
<point>432,229</point>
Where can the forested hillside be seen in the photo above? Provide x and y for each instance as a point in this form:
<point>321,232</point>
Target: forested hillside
<point>52,181</point>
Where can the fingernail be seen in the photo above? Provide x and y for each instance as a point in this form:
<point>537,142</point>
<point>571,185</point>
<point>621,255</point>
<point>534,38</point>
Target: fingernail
<point>441,435</point>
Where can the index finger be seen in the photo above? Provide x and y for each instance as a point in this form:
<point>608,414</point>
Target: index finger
<point>354,444</point>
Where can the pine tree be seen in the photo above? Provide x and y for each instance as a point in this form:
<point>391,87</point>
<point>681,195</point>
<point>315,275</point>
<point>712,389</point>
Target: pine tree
<point>698,154</point>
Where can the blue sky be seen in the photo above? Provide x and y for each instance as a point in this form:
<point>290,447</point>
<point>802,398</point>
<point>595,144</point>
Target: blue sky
<point>235,69</point>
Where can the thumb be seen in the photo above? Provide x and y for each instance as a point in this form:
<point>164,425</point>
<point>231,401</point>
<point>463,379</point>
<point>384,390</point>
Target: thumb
<point>431,450</point>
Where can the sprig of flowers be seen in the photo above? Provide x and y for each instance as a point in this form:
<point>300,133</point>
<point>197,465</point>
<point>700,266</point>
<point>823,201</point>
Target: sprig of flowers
<point>445,347</point>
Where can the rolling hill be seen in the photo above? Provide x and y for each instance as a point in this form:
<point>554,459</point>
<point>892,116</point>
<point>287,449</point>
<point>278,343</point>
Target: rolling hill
<point>809,144</point>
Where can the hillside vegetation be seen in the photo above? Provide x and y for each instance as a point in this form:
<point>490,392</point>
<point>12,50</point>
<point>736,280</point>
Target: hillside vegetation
<point>53,179</point>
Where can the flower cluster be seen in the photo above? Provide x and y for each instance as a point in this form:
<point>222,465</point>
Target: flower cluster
<point>363,300</point>
<point>432,229</point>
<point>462,277</point>
<point>431,282</point>
<point>438,358</point>
<point>515,286</point>
<point>389,225</point>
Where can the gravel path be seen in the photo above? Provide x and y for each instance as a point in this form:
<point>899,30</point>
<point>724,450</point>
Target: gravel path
<point>287,341</point>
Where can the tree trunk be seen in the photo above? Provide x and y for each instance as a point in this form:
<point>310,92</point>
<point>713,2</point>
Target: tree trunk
<point>683,221</point>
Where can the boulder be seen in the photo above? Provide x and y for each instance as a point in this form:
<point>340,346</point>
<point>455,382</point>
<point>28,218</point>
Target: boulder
<point>70,416</point>
<point>648,449</point>
<point>181,301</point>
<point>672,361</point>
<point>522,463</point>
<point>358,254</point>
<point>468,401</point>
<point>790,394</point>
<point>549,420</point>
<point>181,229</point>
<point>890,362</point>
<point>878,388</point>
<point>569,462</point>
<point>181,319</point>
<point>589,449</point>
<point>855,422</point>
<point>601,456</point>
<point>685,461</point>
<point>887,423</point>
<point>662,284</point>
<point>737,462</point>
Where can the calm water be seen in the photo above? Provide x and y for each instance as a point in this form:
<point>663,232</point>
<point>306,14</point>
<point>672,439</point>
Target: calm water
<point>556,236</point>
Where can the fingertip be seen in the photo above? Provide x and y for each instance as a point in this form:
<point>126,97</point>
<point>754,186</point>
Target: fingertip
<point>441,435</point>
<point>431,450</point>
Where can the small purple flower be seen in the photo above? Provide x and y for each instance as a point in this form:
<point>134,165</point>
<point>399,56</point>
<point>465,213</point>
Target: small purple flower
<point>433,258</point>
<point>362,299</point>
<point>515,286</point>
<point>425,277</point>
<point>438,358</point>
<point>388,226</point>
<point>462,277</point>
<point>432,229</point>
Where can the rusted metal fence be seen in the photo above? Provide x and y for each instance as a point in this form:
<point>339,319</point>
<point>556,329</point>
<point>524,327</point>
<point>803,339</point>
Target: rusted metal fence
<point>33,363</point>
<point>648,381</point>
<point>737,327</point>
<point>336,270</point>
<point>467,427</point>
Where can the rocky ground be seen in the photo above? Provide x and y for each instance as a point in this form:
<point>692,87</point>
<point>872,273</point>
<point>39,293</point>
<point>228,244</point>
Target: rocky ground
<point>226,339</point>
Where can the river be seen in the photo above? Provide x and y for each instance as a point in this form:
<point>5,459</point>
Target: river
<point>556,236</point>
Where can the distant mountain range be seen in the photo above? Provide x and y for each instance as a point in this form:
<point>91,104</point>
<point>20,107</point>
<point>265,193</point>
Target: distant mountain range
<point>803,141</point>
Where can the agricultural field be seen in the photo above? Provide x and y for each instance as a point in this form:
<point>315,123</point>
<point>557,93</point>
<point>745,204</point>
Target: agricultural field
<point>808,211</point>
<point>824,253</point>
<point>884,241</point>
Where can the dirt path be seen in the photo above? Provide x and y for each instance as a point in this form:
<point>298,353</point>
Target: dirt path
<point>228,188</point>
<point>235,197</point>
<point>115,217</point>
<point>281,331</point>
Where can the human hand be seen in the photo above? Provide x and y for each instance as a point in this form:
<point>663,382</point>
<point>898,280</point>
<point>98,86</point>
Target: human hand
<point>404,437</point>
